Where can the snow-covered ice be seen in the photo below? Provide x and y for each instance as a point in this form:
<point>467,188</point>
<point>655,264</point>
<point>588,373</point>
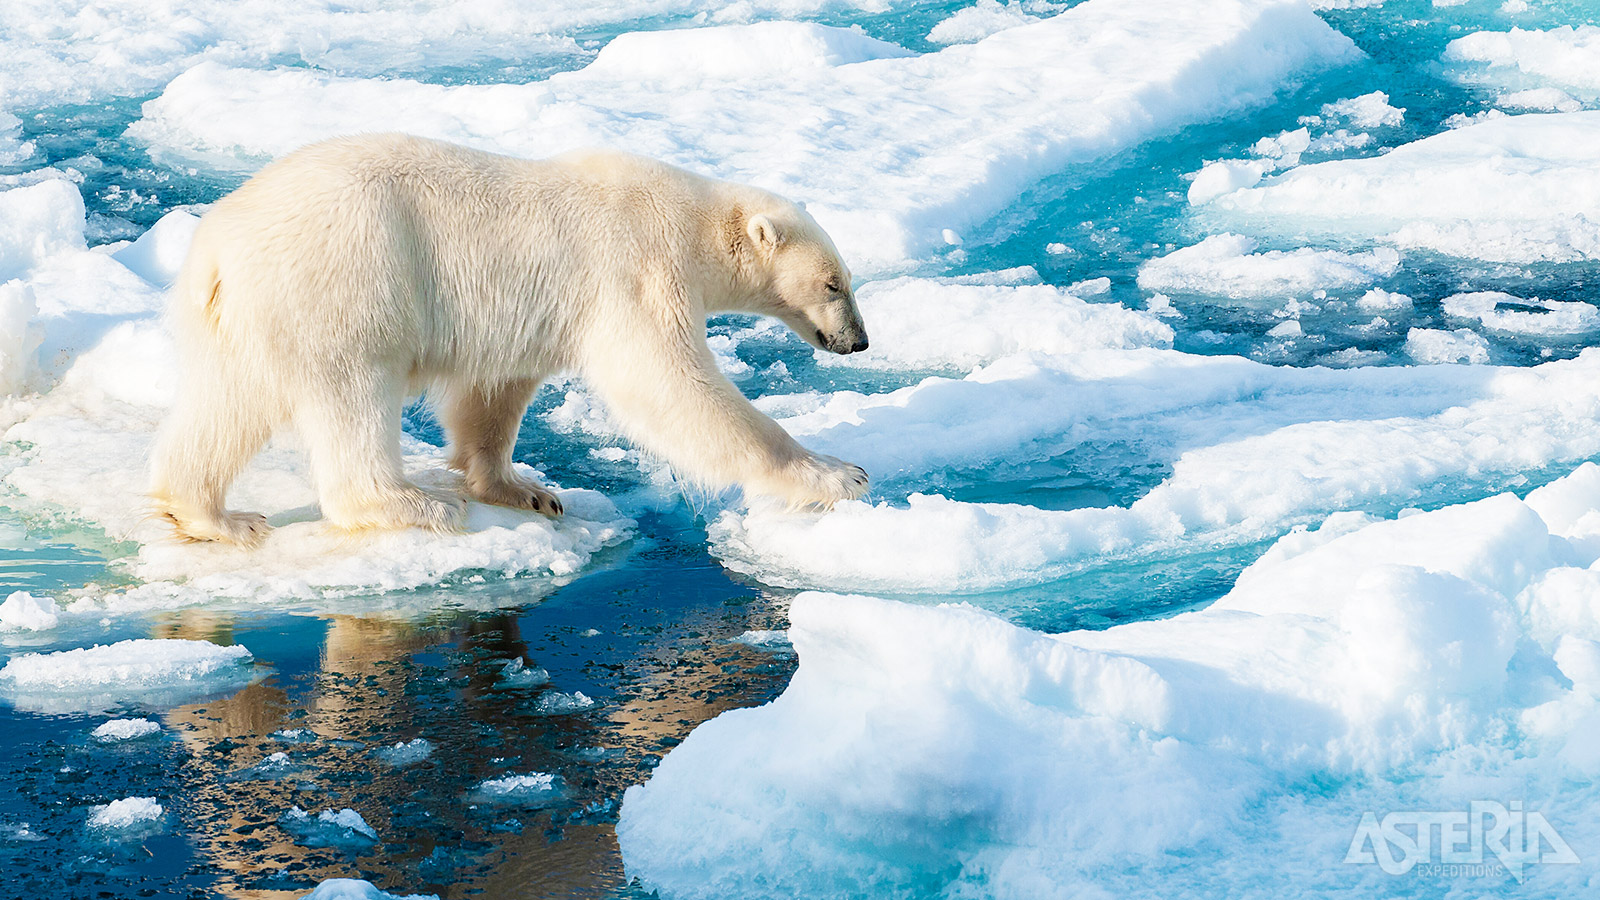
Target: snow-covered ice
<point>146,670</point>
<point>357,889</point>
<point>1565,57</point>
<point>128,814</point>
<point>1227,265</point>
<point>1513,188</point>
<point>1499,311</point>
<point>1009,762</point>
<point>118,730</point>
<point>955,134</point>
<point>22,611</point>
<point>1432,346</point>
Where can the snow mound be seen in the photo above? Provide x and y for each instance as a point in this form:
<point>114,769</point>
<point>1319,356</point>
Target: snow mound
<point>1509,189</point>
<point>1227,265</point>
<point>162,671</point>
<point>1253,451</point>
<point>954,135</point>
<point>1005,763</point>
<point>924,323</point>
<point>118,730</point>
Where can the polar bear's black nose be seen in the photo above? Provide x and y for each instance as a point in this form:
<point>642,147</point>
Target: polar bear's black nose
<point>859,345</point>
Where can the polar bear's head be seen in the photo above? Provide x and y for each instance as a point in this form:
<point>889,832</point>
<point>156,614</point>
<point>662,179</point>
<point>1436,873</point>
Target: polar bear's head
<point>796,274</point>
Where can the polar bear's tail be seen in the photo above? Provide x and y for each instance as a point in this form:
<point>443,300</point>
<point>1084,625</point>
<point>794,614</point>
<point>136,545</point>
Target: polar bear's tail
<point>197,293</point>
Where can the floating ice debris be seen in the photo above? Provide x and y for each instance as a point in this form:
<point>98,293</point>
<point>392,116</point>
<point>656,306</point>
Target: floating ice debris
<point>22,832</point>
<point>405,753</point>
<point>130,814</point>
<point>516,674</point>
<point>125,730</point>
<point>22,611</point>
<point>344,828</point>
<point>356,889</point>
<point>1433,346</point>
<point>273,767</point>
<point>556,703</point>
<point>771,641</point>
<point>294,735</point>
<point>534,790</point>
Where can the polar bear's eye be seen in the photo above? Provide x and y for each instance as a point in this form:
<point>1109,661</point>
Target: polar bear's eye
<point>833,287</point>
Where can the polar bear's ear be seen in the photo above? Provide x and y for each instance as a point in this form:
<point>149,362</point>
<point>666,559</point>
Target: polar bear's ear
<point>763,233</point>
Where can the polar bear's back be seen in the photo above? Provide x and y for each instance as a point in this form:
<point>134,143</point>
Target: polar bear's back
<point>402,245</point>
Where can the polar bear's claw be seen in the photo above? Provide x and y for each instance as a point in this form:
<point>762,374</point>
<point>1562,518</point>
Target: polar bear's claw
<point>517,493</point>
<point>244,529</point>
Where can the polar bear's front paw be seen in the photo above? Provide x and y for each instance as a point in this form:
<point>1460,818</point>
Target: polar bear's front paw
<point>517,493</point>
<point>243,529</point>
<point>818,482</point>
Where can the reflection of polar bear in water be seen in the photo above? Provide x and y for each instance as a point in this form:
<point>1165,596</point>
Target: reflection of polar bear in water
<point>359,271</point>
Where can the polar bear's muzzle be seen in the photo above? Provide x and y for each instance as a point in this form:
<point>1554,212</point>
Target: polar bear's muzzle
<point>845,342</point>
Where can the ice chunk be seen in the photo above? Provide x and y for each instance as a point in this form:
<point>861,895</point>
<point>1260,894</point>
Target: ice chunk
<point>1227,265</point>
<point>14,151</point>
<point>356,889</point>
<point>535,790</point>
<point>1540,100</point>
<point>1366,111</point>
<point>735,52</point>
<point>937,323</point>
<point>953,136</point>
<point>1432,346</point>
<point>129,814</point>
<point>23,611</point>
<point>1000,760</point>
<point>557,703</point>
<point>1512,188</point>
<point>1224,177</point>
<point>1535,316</point>
<point>1380,299</point>
<point>344,828</point>
<point>516,674</point>
<point>405,753</point>
<point>1565,57</point>
<point>157,255</point>
<point>164,670</point>
<point>118,730</point>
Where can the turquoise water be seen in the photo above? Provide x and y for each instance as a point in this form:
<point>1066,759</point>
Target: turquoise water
<point>648,631</point>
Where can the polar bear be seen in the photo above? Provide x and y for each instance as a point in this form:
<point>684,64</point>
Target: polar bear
<point>358,272</point>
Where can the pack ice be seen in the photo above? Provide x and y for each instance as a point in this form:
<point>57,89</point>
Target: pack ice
<point>154,672</point>
<point>895,154</point>
<point>1414,663</point>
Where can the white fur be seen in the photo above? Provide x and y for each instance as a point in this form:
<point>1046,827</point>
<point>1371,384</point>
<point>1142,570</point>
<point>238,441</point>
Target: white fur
<point>357,272</point>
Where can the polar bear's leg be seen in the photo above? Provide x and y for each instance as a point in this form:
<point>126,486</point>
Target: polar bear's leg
<point>353,434</point>
<point>482,423</point>
<point>212,433</point>
<point>661,382</point>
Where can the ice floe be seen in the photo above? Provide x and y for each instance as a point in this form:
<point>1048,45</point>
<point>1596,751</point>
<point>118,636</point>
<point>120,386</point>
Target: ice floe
<point>1416,663</point>
<point>954,135</point>
<point>150,671</point>
<point>924,323</point>
<point>534,790</point>
<point>1499,311</point>
<point>1566,57</point>
<point>1432,346</point>
<point>406,753</point>
<point>1511,188</point>
<point>1227,265</point>
<point>1253,450</point>
<point>357,889</point>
